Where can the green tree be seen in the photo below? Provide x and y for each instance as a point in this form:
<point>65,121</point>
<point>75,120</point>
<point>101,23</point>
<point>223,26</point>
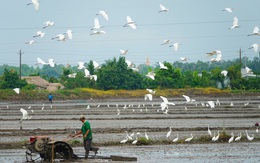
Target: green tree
<point>11,80</point>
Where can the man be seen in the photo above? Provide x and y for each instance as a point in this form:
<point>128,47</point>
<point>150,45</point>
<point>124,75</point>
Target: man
<point>50,96</point>
<point>87,136</point>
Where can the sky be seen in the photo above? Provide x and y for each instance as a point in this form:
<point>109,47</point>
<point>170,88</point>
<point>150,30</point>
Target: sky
<point>199,25</point>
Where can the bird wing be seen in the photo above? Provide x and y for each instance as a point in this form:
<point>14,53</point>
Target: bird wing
<point>187,98</point>
<point>40,61</point>
<point>165,100</point>
<point>86,71</point>
<point>104,14</point>
<point>129,20</point>
<point>133,26</point>
<point>17,90</point>
<point>235,21</point>
<point>96,24</point>
<point>256,30</point>
<point>51,62</point>
<point>24,112</point>
<point>162,7</point>
<point>95,64</point>
<point>149,96</point>
<point>81,65</point>
<point>69,34</point>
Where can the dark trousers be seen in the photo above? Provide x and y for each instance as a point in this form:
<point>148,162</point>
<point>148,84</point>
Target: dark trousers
<point>87,146</point>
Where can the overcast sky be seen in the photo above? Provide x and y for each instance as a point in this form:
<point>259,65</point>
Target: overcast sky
<point>199,25</point>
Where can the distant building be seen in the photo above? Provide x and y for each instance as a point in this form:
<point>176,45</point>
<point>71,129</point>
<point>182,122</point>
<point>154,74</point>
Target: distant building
<point>147,63</point>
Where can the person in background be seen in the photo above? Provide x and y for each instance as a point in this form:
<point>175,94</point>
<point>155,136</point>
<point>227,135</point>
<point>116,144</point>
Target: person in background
<point>50,97</point>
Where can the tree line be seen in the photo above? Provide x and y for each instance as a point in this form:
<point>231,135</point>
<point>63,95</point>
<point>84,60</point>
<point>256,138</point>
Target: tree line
<point>117,74</point>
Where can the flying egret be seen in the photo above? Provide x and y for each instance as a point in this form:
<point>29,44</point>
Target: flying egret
<point>96,24</point>
<point>164,106</point>
<point>25,115</point>
<point>166,42</point>
<point>189,139</point>
<point>51,62</point>
<point>250,138</point>
<point>104,14</point>
<point>209,132</point>
<point>235,23</point>
<point>60,37</point>
<point>217,59</point>
<point>231,138</point>
<point>165,100</point>
<point>151,91</point>
<point>73,75</point>
<point>163,8</point>
<point>238,137</point>
<point>224,72</point>
<point>214,52</point>
<point>151,75</point>
<point>69,34</point>
<point>176,139</point>
<point>123,52</point>
<point>130,23</point>
<point>148,96</point>
<point>184,59</point>
<point>17,90</point>
<point>255,47</point>
<point>48,24</point>
<point>81,65</point>
<point>255,32</point>
<point>162,66</point>
<point>40,61</point>
<point>211,104</point>
<point>30,42</point>
<point>169,133</point>
<point>228,9</point>
<point>188,99</point>
<point>35,3</point>
<point>175,46</point>
<point>96,65</point>
<point>39,34</point>
<point>98,32</point>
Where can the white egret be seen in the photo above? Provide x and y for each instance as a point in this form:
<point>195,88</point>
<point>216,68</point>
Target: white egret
<point>40,61</point>
<point>228,9</point>
<point>145,135</point>
<point>224,72</point>
<point>214,136</point>
<point>88,107</point>
<point>235,23</point>
<point>250,138</point>
<point>166,42</point>
<point>60,37</point>
<point>73,75</point>
<point>217,59</point>
<point>30,42</point>
<point>104,14</point>
<point>217,137</point>
<point>81,65</point>
<point>17,90</point>
<point>96,24</point>
<point>184,59</point>
<point>188,99</point>
<point>214,52</point>
<point>255,32</point>
<point>48,24</point>
<point>123,52</point>
<point>151,75</point>
<point>164,106</point>
<point>136,139</point>
<point>39,34</point>
<point>255,47</point>
<point>69,34</point>
<point>98,32</point>
<point>162,66</point>
<point>209,132</point>
<point>169,133</point>
<point>256,130</point>
<point>151,91</point>
<point>238,137</point>
<point>211,104</point>
<point>25,115</point>
<point>42,106</point>
<point>130,23</point>
<point>189,139</point>
<point>231,104</point>
<point>231,138</point>
<point>128,136</point>
<point>176,139</point>
<point>118,111</point>
<point>124,141</point>
<point>248,70</point>
<point>96,65</point>
<point>163,8</point>
<point>165,100</point>
<point>51,62</point>
<point>175,46</point>
<point>217,102</point>
<point>148,96</point>
<point>35,3</point>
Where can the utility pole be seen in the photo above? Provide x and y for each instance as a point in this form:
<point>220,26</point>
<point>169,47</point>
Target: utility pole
<point>240,55</point>
<point>20,55</point>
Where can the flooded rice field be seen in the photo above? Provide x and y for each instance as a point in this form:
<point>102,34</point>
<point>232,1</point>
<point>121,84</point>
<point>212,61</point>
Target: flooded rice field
<point>110,118</point>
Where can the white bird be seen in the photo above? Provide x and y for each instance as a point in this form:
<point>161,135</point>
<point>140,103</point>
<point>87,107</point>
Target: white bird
<point>145,135</point>
<point>39,34</point>
<point>30,42</point>
<point>124,141</point>
<point>123,52</point>
<point>231,138</point>
<point>213,138</point>
<point>217,137</point>
<point>60,37</point>
<point>35,3</point>
<point>128,136</point>
<point>136,139</point>
<point>255,47</point>
<point>96,24</point>
<point>48,24</point>
<point>96,65</point>
<point>42,106</point>
<point>104,14</point>
<point>73,75</point>
<point>25,115</point>
<point>214,52</point>
<point>209,132</point>
<point>98,32</point>
<point>165,100</point>
<point>175,46</point>
<point>148,96</point>
<point>224,72</point>
<point>255,32</point>
<point>211,104</point>
<point>249,137</point>
<point>17,90</point>
<point>164,106</point>
<point>151,75</point>
<point>176,139</point>
<point>87,73</point>
<point>169,133</point>
<point>162,66</point>
<point>189,139</point>
<point>231,104</point>
<point>228,9</point>
<point>130,23</point>
<point>88,107</point>
<point>51,62</point>
<point>151,91</point>
<point>40,61</point>
<point>256,130</point>
<point>238,137</point>
<point>166,42</point>
<point>81,65</point>
<point>118,111</point>
<point>248,70</point>
<point>184,59</point>
<point>235,23</point>
<point>217,59</point>
<point>188,99</point>
<point>69,34</point>
<point>163,8</point>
